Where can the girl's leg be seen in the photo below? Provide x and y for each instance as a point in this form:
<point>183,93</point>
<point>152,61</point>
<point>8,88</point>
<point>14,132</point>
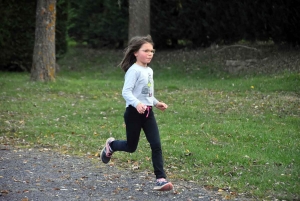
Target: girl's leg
<point>152,134</point>
<point>133,129</point>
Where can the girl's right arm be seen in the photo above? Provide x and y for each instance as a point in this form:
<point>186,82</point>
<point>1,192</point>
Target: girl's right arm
<point>141,108</point>
<point>129,84</point>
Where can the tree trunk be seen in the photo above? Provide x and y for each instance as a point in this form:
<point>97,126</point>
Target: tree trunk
<point>43,65</point>
<point>139,18</point>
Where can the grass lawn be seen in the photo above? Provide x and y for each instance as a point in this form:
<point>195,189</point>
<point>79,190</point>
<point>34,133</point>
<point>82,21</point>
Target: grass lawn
<point>237,132</point>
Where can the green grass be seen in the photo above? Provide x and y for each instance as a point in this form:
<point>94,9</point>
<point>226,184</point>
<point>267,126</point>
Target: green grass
<point>237,132</point>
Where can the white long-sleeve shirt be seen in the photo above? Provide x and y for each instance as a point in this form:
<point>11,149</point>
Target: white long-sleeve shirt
<point>139,86</point>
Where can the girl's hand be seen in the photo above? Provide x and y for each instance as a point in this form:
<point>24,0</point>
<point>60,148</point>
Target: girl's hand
<point>161,106</point>
<point>141,108</point>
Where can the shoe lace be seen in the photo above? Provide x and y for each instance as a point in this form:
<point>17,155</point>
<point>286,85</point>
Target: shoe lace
<point>110,151</point>
<point>161,180</point>
<point>108,154</point>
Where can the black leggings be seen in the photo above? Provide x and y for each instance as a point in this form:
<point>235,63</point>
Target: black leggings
<point>134,123</point>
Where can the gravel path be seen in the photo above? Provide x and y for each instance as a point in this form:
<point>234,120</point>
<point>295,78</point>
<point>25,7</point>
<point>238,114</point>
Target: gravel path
<point>41,174</point>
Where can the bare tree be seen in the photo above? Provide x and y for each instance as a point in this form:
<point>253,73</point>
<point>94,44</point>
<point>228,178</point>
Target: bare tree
<point>43,65</point>
<point>139,18</point>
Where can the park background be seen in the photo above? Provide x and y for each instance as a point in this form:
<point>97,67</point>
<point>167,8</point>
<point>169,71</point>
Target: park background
<point>229,71</point>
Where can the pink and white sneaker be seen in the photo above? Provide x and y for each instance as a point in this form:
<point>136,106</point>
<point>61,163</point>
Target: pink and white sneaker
<point>107,152</point>
<point>163,185</point>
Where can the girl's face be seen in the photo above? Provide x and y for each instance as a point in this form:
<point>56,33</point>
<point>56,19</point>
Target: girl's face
<point>144,54</point>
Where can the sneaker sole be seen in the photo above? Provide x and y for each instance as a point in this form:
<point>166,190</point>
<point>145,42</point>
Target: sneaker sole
<point>102,158</point>
<point>166,187</point>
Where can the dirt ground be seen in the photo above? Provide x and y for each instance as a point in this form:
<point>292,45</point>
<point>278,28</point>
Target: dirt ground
<point>42,174</point>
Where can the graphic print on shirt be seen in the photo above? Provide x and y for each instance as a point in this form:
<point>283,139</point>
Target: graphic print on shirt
<point>147,89</point>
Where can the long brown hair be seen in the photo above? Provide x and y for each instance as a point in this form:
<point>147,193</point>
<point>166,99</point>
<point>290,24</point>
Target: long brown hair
<point>133,46</point>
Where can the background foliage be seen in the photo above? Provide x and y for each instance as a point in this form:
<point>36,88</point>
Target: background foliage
<point>99,23</point>
<point>16,34</point>
<point>17,29</point>
<point>62,15</point>
<point>174,23</point>
<point>189,22</point>
<point>206,22</point>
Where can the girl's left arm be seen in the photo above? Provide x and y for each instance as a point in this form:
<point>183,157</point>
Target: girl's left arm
<point>161,106</point>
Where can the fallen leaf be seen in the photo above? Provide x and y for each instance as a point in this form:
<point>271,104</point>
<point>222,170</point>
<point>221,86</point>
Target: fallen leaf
<point>5,192</point>
<point>15,180</point>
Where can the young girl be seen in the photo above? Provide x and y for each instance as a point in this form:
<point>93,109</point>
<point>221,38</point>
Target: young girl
<point>138,92</point>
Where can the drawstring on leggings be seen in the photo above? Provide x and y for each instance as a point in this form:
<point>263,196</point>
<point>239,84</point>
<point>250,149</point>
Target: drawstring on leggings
<point>148,109</point>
